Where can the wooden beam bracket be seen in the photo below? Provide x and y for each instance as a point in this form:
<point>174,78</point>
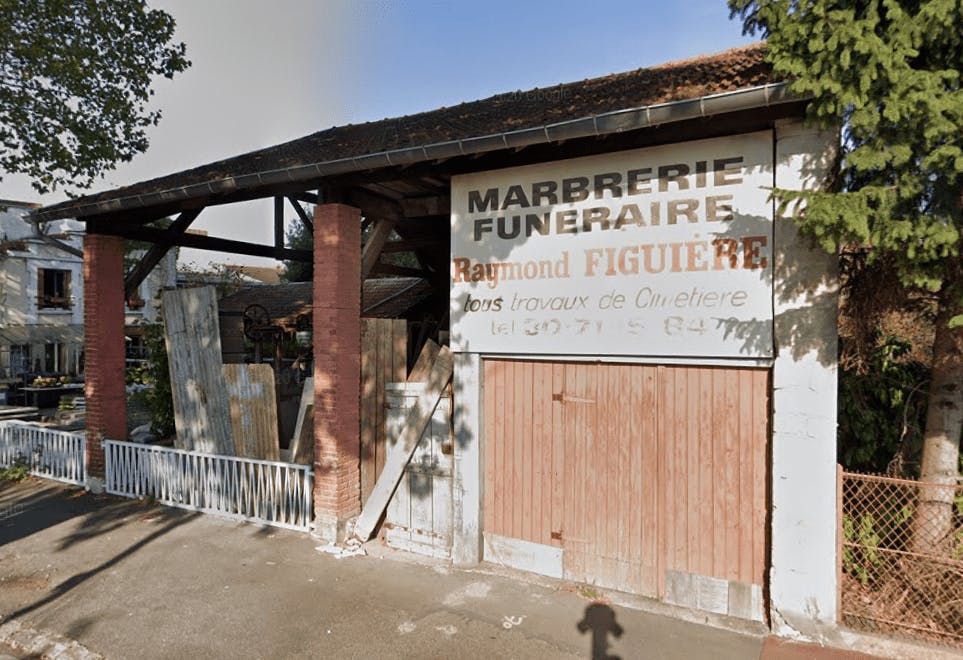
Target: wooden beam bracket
<point>373,247</point>
<point>305,220</point>
<point>157,251</point>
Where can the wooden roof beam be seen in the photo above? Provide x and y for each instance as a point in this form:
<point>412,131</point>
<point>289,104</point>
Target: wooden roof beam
<point>157,251</point>
<point>204,242</point>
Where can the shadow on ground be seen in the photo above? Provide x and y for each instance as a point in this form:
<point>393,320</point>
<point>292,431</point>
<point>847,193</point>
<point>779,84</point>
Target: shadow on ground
<point>30,507</point>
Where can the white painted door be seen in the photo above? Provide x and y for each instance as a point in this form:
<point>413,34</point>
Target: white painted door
<point>419,516</point>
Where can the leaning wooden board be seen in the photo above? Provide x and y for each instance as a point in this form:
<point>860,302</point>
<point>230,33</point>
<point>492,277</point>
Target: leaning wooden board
<point>400,452</point>
<point>302,444</point>
<point>201,410</point>
<point>254,410</point>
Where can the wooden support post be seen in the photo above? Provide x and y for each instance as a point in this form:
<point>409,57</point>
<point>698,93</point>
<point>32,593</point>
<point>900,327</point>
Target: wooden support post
<point>279,222</point>
<point>400,453</point>
<point>301,448</point>
<point>839,543</point>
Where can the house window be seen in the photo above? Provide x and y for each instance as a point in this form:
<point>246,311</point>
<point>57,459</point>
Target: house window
<point>54,357</point>
<point>19,359</point>
<point>53,287</point>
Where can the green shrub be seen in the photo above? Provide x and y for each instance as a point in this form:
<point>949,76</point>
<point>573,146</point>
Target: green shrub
<point>882,410</point>
<point>18,471</point>
<point>156,373</point>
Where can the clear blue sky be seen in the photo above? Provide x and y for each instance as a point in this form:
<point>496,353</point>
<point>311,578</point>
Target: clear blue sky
<point>422,55</point>
<point>267,72</point>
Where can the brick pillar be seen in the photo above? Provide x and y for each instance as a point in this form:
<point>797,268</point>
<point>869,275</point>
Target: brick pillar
<point>104,349</point>
<point>337,368</point>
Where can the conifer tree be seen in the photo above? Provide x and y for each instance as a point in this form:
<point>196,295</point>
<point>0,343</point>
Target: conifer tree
<point>887,73</point>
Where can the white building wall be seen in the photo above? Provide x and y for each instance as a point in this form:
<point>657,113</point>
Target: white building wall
<point>19,282</point>
<point>802,578</point>
<point>18,269</point>
<point>803,554</point>
<point>164,276</point>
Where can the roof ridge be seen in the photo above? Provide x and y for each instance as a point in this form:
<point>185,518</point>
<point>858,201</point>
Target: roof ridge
<point>484,122</point>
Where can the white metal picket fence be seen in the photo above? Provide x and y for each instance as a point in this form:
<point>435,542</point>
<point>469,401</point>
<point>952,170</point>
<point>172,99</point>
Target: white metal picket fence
<point>51,454</point>
<point>267,492</point>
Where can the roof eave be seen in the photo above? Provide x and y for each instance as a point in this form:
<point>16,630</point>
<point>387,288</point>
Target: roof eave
<point>608,123</point>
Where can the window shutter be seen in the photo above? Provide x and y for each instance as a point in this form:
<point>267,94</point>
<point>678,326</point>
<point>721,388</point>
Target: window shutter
<point>66,294</point>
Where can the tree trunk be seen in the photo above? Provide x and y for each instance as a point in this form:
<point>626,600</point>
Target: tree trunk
<point>941,442</point>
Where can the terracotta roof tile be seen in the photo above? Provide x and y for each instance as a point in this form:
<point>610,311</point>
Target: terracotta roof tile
<point>737,68</point>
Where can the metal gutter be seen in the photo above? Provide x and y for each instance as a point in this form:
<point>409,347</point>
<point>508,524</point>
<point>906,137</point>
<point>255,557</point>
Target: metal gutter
<point>608,123</point>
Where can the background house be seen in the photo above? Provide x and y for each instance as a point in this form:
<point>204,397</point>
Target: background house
<point>42,294</point>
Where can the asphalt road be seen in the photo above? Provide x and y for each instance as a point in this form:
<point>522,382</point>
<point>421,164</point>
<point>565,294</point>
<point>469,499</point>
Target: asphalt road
<point>131,580</point>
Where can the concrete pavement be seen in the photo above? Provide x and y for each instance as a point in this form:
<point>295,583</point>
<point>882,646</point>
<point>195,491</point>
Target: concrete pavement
<point>128,579</point>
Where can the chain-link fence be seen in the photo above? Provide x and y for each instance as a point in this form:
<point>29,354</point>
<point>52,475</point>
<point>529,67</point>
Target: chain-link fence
<point>902,557</point>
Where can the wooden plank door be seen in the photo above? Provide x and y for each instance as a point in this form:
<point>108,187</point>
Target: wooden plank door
<point>637,476</point>
<point>383,360</point>
<point>419,515</point>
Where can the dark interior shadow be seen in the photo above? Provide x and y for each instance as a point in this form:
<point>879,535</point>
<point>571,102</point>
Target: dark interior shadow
<point>599,618</point>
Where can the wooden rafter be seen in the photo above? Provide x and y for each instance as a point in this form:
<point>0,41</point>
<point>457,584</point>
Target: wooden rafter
<point>157,251</point>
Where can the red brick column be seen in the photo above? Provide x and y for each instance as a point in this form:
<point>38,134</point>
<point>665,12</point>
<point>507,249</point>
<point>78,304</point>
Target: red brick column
<point>337,368</point>
<point>104,345</point>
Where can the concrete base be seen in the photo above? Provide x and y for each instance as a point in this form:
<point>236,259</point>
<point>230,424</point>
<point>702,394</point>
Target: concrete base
<point>332,529</point>
<point>95,485</point>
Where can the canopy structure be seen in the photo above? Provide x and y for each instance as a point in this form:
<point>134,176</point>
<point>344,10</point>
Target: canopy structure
<point>397,170</point>
<point>384,189</point>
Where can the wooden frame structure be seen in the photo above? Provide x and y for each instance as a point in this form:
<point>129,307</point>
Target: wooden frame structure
<point>390,182</point>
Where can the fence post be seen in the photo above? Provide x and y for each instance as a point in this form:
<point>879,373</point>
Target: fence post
<point>840,536</point>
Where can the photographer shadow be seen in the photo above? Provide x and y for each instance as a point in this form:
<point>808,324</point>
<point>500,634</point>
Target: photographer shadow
<point>599,618</point>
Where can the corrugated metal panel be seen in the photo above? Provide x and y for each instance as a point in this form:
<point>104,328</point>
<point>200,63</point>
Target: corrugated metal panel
<point>632,469</point>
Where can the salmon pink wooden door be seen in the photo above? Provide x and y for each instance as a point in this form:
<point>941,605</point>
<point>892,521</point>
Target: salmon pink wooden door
<point>642,478</point>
